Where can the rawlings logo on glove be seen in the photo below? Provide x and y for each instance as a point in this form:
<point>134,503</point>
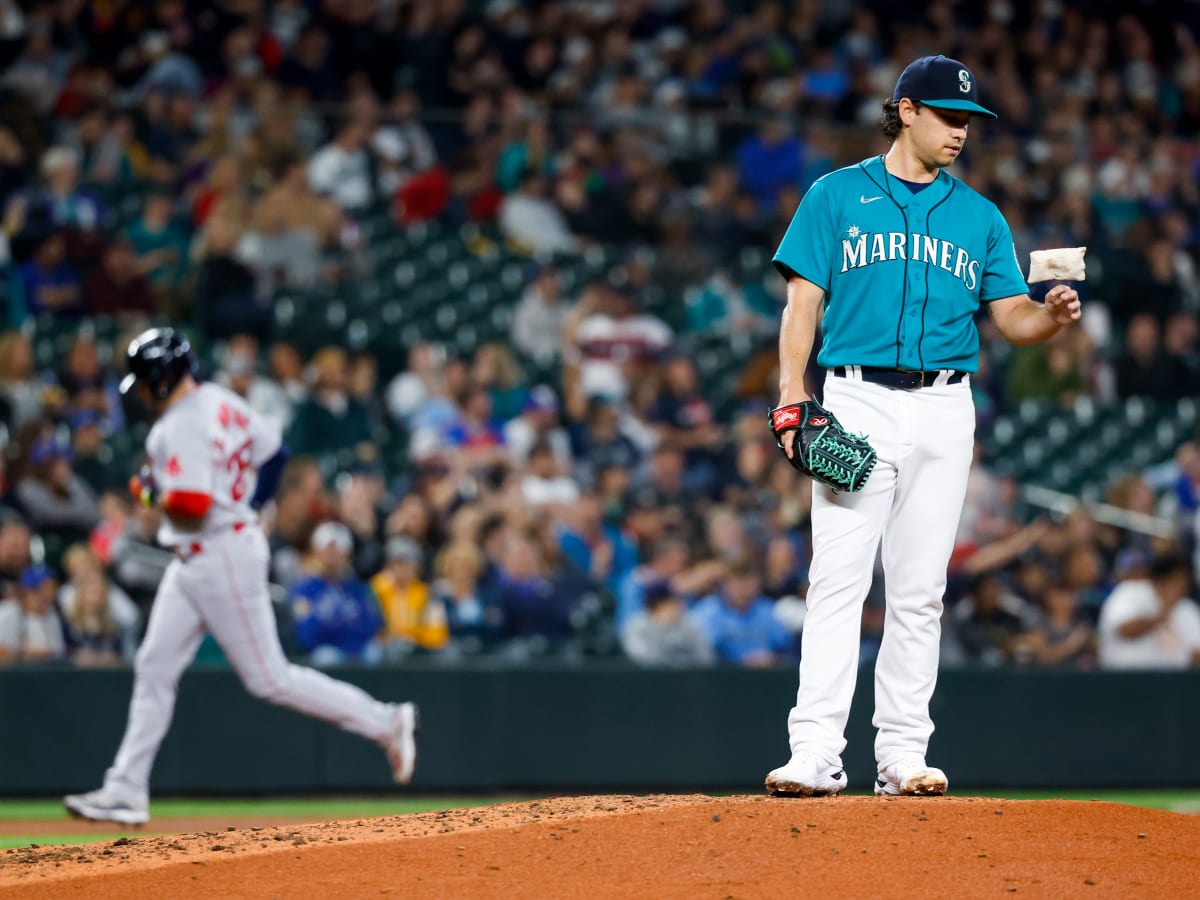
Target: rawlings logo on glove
<point>822,448</point>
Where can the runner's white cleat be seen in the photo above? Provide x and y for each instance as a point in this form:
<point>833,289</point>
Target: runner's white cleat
<point>402,744</point>
<point>105,805</point>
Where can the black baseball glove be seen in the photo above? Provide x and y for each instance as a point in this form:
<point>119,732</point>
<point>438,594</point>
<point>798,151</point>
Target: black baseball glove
<point>823,448</point>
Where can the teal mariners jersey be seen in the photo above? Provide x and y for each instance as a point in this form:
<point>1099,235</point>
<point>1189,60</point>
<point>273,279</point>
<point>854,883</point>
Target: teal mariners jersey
<point>903,273</point>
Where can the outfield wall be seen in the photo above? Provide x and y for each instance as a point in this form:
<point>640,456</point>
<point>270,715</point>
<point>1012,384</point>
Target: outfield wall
<point>598,728</point>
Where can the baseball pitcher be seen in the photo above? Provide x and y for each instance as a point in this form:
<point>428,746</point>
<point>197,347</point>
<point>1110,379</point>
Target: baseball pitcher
<point>896,255</point>
<point>212,462</point>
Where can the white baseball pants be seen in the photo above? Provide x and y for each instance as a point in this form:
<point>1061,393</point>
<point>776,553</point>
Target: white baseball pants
<point>223,589</point>
<point>912,501</point>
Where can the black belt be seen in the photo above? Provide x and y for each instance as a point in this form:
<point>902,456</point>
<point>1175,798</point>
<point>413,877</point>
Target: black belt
<point>902,379</point>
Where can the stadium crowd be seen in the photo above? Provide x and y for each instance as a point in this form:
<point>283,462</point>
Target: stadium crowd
<point>574,489</point>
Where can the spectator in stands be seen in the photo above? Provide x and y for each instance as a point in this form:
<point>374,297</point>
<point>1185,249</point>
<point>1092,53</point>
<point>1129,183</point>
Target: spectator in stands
<point>286,369</point>
<point>86,382</point>
<point>666,476</point>
<point>225,292</point>
<point>1143,369</point>
<point>300,503</point>
<point>160,243</point>
<point>341,169</point>
<point>223,179</point>
<point>49,282</point>
<point>1055,369</point>
<point>422,384</point>
<point>412,616</point>
<point>117,287</point>
<point>288,232</point>
<point>93,636</point>
<point>14,552</point>
<point>30,628</point>
<point>476,436</point>
<point>335,615</point>
<point>408,144</point>
<point>329,419</point>
<point>594,545</point>
<point>662,634</point>
<point>474,621</point>
<point>684,420</point>
<point>80,564</point>
<point>610,344</point>
<point>770,160</point>
<point>1180,342</point>
<point>740,622</point>
<point>360,496</point>
<point>525,593</point>
<point>989,620</point>
<point>62,201</point>
<point>546,484</point>
<point>600,441</point>
<point>495,370</point>
<point>539,315</point>
<point>89,458</point>
<point>310,70</point>
<point>1149,623</point>
<point>14,166</point>
<point>783,572</point>
<point>533,225</point>
<point>53,496</point>
<point>19,385</point>
<point>538,423</point>
<point>1063,636</point>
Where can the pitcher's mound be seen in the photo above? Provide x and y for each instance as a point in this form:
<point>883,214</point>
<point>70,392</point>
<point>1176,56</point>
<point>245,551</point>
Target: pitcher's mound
<point>661,846</point>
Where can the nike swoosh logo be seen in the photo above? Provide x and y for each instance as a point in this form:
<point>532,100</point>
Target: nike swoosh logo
<point>862,199</point>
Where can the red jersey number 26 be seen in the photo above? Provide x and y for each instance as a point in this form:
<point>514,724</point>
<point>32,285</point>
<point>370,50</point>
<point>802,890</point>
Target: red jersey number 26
<point>237,465</point>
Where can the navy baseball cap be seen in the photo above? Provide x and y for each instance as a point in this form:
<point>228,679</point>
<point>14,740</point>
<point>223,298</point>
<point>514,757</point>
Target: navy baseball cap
<point>941,82</point>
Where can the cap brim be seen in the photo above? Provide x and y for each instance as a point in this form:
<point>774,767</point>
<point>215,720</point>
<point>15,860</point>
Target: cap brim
<point>128,382</point>
<point>965,105</point>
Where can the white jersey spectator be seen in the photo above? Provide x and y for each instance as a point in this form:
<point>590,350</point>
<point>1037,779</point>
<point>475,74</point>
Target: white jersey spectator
<point>538,421</point>
<point>342,170</point>
<point>1149,624</point>
<point>532,222</point>
<point>538,318</point>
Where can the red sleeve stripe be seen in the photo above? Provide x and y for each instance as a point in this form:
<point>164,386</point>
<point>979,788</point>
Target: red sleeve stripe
<point>187,503</point>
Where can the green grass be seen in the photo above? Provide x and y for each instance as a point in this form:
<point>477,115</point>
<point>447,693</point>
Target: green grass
<point>318,807</point>
<point>1174,800</point>
<point>315,808</point>
<point>44,840</point>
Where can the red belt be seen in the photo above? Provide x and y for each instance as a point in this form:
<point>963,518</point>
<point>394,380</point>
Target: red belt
<point>187,551</point>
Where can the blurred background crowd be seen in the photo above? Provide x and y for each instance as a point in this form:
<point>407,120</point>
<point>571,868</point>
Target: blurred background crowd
<point>502,272</point>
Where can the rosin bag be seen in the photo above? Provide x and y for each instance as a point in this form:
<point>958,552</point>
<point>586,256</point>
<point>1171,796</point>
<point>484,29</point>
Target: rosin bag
<point>1060,264</point>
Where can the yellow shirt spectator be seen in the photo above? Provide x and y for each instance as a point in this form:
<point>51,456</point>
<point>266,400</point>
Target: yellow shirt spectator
<point>409,613</point>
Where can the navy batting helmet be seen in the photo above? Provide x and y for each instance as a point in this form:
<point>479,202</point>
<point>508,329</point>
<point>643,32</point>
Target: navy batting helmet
<point>158,358</point>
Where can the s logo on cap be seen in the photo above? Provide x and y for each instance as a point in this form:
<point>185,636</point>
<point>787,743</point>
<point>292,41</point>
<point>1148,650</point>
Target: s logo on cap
<point>964,81</point>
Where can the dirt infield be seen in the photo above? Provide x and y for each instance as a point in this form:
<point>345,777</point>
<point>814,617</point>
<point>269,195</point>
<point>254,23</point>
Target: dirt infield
<point>662,847</point>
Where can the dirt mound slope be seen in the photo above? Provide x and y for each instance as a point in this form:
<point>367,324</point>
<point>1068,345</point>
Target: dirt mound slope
<point>657,846</point>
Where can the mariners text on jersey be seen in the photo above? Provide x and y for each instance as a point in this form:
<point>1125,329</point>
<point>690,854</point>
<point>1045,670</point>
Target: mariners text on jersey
<point>862,249</point>
<point>903,272</point>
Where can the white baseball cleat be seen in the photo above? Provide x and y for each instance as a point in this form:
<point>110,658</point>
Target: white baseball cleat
<point>402,743</point>
<point>105,805</point>
<point>806,775</point>
<point>911,777</point>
